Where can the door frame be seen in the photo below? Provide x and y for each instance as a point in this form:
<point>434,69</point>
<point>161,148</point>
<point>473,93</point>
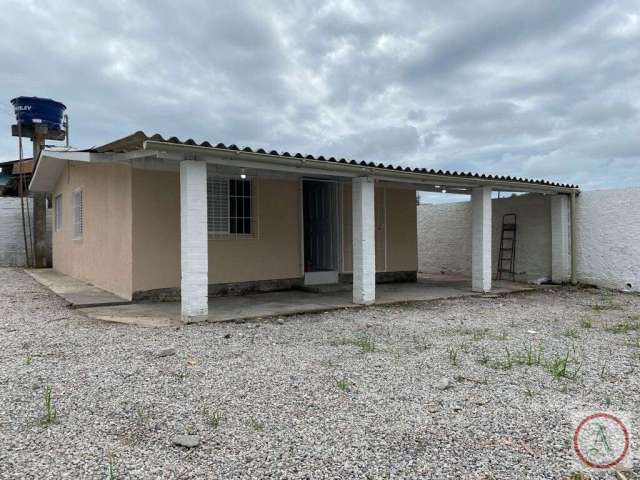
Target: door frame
<point>326,276</point>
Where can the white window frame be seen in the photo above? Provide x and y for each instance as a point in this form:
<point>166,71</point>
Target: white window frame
<point>219,207</point>
<point>77,198</point>
<point>57,205</point>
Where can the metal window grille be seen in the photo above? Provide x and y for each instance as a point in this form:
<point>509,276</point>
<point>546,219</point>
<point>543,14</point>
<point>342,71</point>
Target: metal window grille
<point>58,212</point>
<point>230,207</point>
<point>78,214</point>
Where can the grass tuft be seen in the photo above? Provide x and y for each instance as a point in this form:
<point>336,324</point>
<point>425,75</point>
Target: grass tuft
<point>50,415</point>
<point>364,342</point>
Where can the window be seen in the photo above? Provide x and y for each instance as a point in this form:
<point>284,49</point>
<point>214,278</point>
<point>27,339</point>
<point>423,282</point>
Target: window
<point>78,214</point>
<point>230,206</point>
<point>58,212</point>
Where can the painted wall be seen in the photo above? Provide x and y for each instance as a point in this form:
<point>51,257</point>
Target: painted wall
<point>396,243</point>
<point>273,254</point>
<point>444,236</point>
<point>103,256</point>
<point>608,238</point>
<point>607,233</point>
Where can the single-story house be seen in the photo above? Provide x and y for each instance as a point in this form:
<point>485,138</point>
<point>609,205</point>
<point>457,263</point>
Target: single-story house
<point>148,217</point>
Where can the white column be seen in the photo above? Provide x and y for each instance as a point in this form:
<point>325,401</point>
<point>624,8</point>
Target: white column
<point>194,241</point>
<point>481,239</point>
<point>364,241</point>
<point>560,254</point>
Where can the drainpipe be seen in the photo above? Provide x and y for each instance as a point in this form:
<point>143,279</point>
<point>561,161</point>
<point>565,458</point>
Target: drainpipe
<point>574,280</point>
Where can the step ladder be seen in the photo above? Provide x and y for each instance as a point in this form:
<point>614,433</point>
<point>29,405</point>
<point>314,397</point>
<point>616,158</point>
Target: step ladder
<point>507,254</point>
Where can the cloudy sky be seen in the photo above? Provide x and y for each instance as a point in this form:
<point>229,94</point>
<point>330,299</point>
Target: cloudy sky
<point>544,88</point>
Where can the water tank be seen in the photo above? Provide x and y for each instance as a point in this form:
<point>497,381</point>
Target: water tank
<point>34,110</point>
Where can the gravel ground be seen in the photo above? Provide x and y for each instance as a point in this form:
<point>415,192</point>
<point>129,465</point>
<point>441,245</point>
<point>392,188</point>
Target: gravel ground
<point>423,390</point>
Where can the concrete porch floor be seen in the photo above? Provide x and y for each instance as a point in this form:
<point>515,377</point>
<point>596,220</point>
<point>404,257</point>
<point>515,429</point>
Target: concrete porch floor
<point>235,308</point>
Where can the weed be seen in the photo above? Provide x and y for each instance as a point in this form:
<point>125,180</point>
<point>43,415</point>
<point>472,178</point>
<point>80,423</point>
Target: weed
<point>484,357</point>
<point>531,358</point>
<point>364,342</point>
<point>476,334</point>
<point>421,344</point>
<point>630,325</point>
<point>344,384</point>
<point>586,322</point>
<point>453,356</point>
<point>605,302</point>
<point>214,419</point>
<point>181,375</point>
<point>327,363</point>
<point>50,413</point>
<point>256,424</point>
<point>28,359</point>
<point>506,363</point>
<point>530,393</point>
<point>578,476</point>
<point>559,367</point>
<point>570,333</point>
<point>112,469</point>
<point>607,401</point>
<point>633,342</point>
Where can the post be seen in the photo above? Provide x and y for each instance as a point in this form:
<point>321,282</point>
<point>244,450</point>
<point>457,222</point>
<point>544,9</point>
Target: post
<point>481,239</point>
<point>560,255</point>
<point>364,241</point>
<point>40,250</point>
<point>574,252</point>
<point>194,252</point>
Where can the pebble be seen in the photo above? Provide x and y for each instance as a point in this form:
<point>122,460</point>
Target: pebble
<point>189,441</point>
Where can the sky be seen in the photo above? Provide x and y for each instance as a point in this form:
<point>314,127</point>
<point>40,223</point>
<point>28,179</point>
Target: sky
<point>539,89</point>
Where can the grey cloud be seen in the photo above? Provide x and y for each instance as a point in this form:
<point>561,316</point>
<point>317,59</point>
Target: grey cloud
<point>524,88</point>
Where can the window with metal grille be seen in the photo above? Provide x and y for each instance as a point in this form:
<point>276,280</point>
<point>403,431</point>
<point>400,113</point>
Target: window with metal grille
<point>78,214</point>
<point>230,206</point>
<point>58,212</point>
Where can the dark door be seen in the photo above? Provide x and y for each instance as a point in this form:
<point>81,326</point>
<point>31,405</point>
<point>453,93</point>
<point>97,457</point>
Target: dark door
<point>320,225</point>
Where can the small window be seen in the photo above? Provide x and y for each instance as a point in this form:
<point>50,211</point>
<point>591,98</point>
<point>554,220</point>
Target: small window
<point>230,206</point>
<point>58,212</point>
<point>78,214</point>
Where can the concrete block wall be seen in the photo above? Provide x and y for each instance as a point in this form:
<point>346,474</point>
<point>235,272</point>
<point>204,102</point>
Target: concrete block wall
<point>11,235</point>
<point>444,236</point>
<point>607,237</point>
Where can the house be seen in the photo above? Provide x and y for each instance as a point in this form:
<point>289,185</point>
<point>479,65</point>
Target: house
<point>11,172</point>
<point>147,217</point>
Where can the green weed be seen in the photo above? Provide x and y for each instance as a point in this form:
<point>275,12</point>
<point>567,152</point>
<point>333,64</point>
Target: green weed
<point>50,415</point>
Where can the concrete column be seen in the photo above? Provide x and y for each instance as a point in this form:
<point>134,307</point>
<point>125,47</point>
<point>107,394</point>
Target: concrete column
<point>481,239</point>
<point>560,230</point>
<point>364,241</point>
<point>194,253</point>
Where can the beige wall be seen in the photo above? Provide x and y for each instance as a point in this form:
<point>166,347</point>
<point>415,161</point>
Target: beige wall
<point>132,231</point>
<point>273,254</point>
<point>103,256</point>
<point>396,232</point>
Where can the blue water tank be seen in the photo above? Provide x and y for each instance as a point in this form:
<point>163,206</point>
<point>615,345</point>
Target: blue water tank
<point>34,110</point>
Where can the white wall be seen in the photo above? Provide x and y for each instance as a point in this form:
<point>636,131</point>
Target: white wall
<point>444,236</point>
<point>608,237</point>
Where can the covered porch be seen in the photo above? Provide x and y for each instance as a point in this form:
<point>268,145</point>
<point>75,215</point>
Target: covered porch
<point>362,179</point>
<point>291,302</point>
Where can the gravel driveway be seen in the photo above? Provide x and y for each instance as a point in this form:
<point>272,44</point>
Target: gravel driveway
<point>474,388</point>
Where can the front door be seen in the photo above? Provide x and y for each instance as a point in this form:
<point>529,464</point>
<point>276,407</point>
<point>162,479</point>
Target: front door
<point>320,215</point>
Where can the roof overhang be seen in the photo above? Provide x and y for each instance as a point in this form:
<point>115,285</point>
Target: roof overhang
<point>50,166</point>
<point>304,166</point>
